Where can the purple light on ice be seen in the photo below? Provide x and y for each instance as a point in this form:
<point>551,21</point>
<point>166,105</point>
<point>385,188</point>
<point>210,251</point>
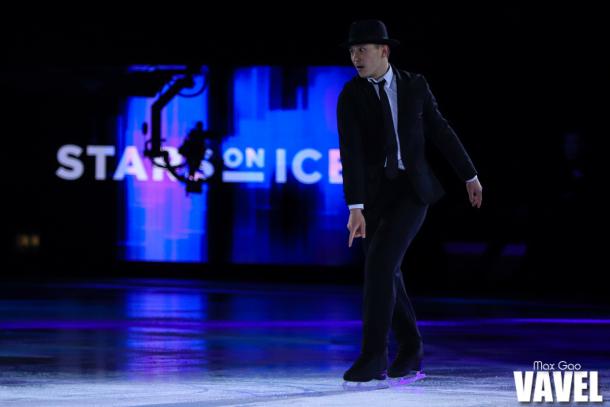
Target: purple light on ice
<point>109,324</point>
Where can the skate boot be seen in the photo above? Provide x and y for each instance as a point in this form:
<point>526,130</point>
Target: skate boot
<point>408,359</point>
<point>368,367</point>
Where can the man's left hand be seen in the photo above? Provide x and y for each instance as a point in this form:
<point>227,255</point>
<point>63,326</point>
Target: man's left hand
<point>475,193</point>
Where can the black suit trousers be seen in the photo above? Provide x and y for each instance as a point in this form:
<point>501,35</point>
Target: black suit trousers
<point>391,224</point>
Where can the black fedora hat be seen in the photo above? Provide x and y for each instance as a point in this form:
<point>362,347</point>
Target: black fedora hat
<point>369,32</point>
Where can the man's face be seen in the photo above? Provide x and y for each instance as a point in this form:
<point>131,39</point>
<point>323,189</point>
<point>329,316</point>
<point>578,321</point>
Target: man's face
<point>370,60</point>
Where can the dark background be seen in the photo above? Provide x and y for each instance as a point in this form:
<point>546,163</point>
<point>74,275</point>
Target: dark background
<point>518,84</point>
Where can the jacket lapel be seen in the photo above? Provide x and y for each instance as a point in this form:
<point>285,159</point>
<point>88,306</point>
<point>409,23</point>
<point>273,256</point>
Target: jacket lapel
<point>403,83</point>
<point>371,97</point>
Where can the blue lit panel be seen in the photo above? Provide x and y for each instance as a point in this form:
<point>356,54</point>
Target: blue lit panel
<point>281,182</point>
<point>161,223</point>
<point>294,212</point>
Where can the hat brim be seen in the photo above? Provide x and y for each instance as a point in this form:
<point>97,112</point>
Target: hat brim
<point>387,41</point>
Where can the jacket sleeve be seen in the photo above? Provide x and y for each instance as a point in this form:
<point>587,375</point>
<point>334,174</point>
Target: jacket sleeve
<point>445,138</point>
<point>350,146</point>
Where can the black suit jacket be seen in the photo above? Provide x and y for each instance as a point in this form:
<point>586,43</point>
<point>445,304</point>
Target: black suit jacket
<point>359,122</point>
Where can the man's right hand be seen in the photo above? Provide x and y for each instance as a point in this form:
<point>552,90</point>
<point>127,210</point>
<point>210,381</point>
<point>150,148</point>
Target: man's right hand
<point>356,225</point>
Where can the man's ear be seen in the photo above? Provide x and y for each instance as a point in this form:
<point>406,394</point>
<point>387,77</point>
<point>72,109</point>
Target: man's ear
<point>386,49</point>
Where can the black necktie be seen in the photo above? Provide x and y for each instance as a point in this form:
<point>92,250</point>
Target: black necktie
<point>391,148</point>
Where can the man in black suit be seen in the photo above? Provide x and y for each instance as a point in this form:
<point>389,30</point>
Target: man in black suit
<point>385,116</point>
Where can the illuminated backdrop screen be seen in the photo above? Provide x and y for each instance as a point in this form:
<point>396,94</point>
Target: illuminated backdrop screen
<point>279,198</point>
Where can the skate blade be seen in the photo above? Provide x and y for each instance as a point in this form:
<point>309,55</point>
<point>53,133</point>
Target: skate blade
<point>400,381</point>
<point>364,386</point>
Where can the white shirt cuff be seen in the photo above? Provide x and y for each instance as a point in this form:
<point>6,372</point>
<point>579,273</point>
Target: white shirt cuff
<point>472,179</point>
<point>356,206</point>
